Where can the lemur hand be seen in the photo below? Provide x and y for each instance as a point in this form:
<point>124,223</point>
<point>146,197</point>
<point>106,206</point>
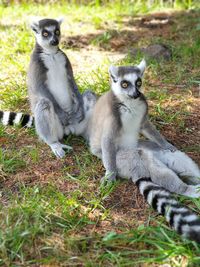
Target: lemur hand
<point>76,116</point>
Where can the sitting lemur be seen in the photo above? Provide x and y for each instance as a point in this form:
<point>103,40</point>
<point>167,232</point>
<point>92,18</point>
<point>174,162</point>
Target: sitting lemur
<point>54,96</point>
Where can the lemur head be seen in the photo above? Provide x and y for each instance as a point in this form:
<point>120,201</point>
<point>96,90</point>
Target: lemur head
<point>127,80</point>
<point>47,33</point>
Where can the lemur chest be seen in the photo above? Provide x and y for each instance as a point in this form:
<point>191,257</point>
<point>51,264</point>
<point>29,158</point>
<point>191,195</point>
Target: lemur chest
<point>57,79</point>
<point>131,119</point>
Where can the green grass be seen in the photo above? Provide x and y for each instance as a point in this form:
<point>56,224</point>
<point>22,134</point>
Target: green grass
<point>49,227</point>
<point>10,164</point>
<point>53,212</point>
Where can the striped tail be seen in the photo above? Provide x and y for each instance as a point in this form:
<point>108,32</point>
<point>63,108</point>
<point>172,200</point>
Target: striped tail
<point>14,118</point>
<point>182,219</point>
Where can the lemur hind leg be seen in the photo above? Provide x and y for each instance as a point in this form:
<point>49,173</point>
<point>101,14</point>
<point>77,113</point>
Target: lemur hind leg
<point>162,175</point>
<point>130,164</point>
<point>177,161</point>
<point>49,127</point>
<point>135,164</point>
<point>183,165</point>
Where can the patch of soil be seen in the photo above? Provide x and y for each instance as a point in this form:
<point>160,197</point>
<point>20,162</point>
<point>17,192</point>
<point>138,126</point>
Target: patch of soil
<point>189,137</point>
<point>127,205</point>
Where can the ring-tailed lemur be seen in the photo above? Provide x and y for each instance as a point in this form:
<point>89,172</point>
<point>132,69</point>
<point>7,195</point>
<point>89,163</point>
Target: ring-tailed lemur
<point>119,116</point>
<point>55,100</point>
<point>137,160</point>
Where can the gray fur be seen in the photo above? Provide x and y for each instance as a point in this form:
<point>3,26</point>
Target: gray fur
<point>119,116</point>
<point>55,100</point>
<point>81,128</point>
<point>163,166</point>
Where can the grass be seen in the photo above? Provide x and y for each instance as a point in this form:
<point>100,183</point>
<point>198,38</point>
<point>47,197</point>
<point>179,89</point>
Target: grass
<point>53,212</point>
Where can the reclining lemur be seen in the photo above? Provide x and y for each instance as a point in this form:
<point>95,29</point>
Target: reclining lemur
<point>113,131</point>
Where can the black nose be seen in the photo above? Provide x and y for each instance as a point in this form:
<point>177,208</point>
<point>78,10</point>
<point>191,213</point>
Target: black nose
<point>135,95</point>
<point>54,42</point>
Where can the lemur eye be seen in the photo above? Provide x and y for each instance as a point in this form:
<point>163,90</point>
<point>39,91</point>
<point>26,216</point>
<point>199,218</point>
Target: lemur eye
<point>45,34</point>
<point>124,84</point>
<point>138,83</point>
<point>57,32</point>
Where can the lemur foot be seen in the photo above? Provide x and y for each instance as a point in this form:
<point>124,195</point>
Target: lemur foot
<point>192,191</point>
<point>58,149</point>
<point>108,178</point>
<point>170,147</point>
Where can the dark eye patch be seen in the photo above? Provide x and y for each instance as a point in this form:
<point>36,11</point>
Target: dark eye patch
<point>138,83</point>
<point>125,84</point>
<point>113,78</point>
<point>57,32</point>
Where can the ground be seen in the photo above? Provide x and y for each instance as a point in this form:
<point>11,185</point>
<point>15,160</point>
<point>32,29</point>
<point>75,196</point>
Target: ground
<point>54,212</point>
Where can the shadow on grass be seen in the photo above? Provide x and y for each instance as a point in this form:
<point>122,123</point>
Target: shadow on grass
<point>134,31</point>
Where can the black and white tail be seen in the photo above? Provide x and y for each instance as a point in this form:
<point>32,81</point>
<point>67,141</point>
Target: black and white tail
<point>182,219</point>
<point>14,118</point>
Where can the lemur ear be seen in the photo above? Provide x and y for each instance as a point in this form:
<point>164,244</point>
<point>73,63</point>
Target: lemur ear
<point>142,66</point>
<point>113,71</point>
<point>60,20</point>
<point>35,26</point>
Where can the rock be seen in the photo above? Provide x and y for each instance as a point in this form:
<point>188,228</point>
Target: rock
<point>154,51</point>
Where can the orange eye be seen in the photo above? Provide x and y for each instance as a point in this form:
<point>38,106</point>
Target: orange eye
<point>124,84</point>
<point>45,34</point>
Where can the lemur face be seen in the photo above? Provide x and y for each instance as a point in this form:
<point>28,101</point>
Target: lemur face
<point>47,33</point>
<point>127,81</point>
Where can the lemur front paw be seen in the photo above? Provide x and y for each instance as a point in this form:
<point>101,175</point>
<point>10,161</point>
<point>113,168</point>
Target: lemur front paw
<point>58,149</point>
